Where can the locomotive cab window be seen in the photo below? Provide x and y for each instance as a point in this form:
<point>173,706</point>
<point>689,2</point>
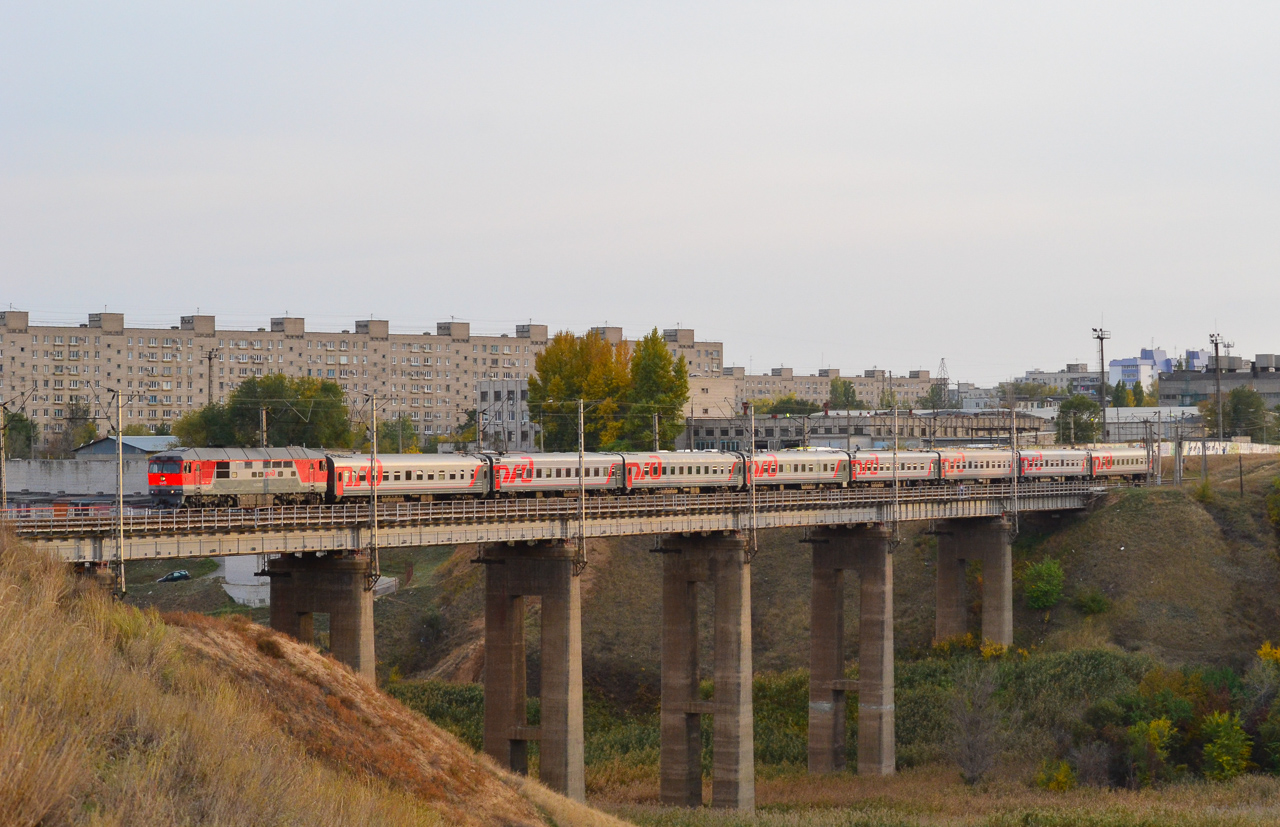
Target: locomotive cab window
<point>222,470</point>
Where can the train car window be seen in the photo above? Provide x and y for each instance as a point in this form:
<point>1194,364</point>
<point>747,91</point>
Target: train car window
<point>419,476</point>
<point>222,470</point>
<point>396,476</point>
<point>597,473</point>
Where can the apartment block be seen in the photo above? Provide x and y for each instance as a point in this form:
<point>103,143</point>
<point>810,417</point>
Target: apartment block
<point>165,372</point>
<point>871,386</point>
<point>704,359</point>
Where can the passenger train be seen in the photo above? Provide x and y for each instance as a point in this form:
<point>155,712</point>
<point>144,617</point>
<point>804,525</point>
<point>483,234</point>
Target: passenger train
<point>258,477</point>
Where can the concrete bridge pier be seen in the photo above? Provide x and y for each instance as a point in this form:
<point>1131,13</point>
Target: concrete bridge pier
<point>513,573</point>
<point>959,541</point>
<point>865,551</point>
<point>303,585</point>
<point>721,561</point>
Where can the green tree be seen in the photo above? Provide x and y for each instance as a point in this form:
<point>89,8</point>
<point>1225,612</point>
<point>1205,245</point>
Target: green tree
<point>1043,583</point>
<point>1227,748</point>
<point>937,399</point>
<point>300,411</point>
<point>659,384</point>
<point>787,405</point>
<point>1139,395</point>
<point>844,397</point>
<point>396,436</point>
<point>1244,413</point>
<point>1121,396</point>
<point>1023,391</point>
<point>586,368</point>
<point>1078,420</point>
<point>136,430</point>
<point>888,400</point>
<point>20,436</point>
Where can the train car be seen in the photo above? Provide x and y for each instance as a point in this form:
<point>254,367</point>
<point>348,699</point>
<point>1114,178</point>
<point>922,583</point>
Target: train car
<point>980,464</point>
<point>555,474</point>
<point>1055,463</point>
<point>244,477</point>
<point>683,471</point>
<point>407,477</point>
<point>876,467</point>
<point>1126,463</point>
<point>802,468</point>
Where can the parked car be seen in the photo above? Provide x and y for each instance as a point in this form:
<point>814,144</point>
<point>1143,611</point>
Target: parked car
<point>180,574</point>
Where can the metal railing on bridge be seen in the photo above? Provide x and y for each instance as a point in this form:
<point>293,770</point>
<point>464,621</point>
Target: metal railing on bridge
<point>82,521</point>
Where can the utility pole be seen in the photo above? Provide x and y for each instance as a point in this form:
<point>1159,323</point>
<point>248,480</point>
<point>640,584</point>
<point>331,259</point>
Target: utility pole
<point>375,477</point>
<point>896,536</point>
<point>1102,336</point>
<point>656,446</point>
<point>1013,455</point>
<point>751,471</point>
<point>580,564</point>
<point>120,489</point>
<point>262,425</point>
<point>4,459</point>
<point>209,356</point>
<point>1216,338</point>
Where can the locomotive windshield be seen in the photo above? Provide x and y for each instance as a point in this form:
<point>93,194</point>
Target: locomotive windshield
<point>167,466</point>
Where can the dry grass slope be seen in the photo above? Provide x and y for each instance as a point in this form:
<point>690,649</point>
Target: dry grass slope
<point>109,715</point>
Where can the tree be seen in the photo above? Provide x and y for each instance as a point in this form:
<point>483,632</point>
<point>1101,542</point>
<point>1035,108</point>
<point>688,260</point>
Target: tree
<point>659,384</point>
<point>1121,396</point>
<point>787,405</point>
<point>888,400</point>
<point>78,428</point>
<point>1023,390</point>
<point>397,436</point>
<point>300,411</point>
<point>20,436</point>
<point>586,368</point>
<point>843,396</point>
<point>1078,420</point>
<point>1244,413</point>
<point>938,398</point>
<point>1139,395</point>
<point>136,430</point>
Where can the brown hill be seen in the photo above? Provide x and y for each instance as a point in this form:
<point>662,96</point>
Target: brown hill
<point>112,715</point>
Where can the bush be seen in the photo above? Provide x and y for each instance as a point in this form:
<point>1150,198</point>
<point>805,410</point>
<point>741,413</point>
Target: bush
<point>1149,743</point>
<point>1043,584</point>
<point>1273,504</point>
<point>1226,748</point>
<point>1092,602</point>
<point>1056,776</point>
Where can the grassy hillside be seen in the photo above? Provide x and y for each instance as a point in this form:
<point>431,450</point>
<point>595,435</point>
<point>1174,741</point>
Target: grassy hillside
<point>113,715</point>
<point>1194,583</point>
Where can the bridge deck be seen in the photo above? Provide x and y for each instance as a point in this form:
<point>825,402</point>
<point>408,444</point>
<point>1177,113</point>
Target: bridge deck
<point>204,532</point>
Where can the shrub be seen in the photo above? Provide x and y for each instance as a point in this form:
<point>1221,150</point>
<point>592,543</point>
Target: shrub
<point>1273,504</point>
<point>1149,743</point>
<point>1204,493</point>
<point>1092,602</point>
<point>1056,776</point>
<point>269,646</point>
<point>1043,584</point>
<point>976,721</point>
<point>1226,748</point>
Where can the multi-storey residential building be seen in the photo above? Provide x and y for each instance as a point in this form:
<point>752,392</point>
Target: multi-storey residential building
<point>504,415</point>
<point>430,377</point>
<point>1076,378</point>
<point>701,358</point>
<point>872,386</point>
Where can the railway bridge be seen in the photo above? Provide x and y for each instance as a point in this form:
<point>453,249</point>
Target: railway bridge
<point>530,548</point>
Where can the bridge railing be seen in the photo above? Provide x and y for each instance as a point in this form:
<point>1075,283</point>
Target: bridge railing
<point>96,520</point>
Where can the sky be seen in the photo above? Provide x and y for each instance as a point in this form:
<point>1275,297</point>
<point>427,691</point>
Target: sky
<point>847,185</point>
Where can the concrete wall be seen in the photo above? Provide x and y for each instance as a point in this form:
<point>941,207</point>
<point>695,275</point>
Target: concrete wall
<point>73,477</point>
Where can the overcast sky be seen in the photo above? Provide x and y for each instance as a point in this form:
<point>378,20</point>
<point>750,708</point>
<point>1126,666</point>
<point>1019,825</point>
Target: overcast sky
<point>845,184</point>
